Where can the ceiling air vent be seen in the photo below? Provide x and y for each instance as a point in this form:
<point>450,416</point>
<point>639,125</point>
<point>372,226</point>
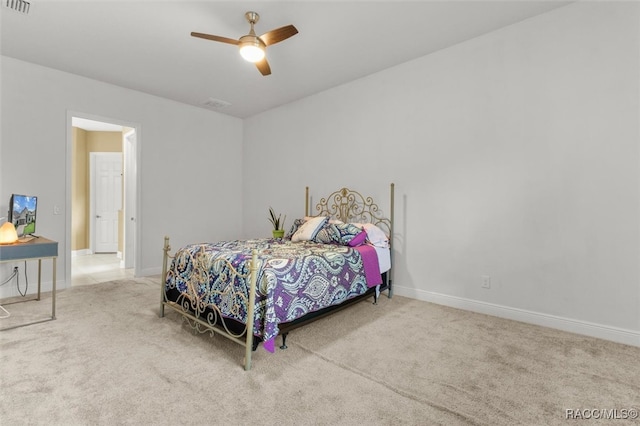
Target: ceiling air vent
<point>215,103</point>
<point>20,6</point>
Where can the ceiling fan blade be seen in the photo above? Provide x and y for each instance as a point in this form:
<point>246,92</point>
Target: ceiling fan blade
<point>264,67</point>
<point>279,34</point>
<point>215,38</point>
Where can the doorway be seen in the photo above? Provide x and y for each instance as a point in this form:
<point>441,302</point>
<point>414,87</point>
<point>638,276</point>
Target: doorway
<point>102,158</point>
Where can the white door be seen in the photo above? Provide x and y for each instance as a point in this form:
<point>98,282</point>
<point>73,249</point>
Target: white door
<point>129,198</point>
<point>106,172</point>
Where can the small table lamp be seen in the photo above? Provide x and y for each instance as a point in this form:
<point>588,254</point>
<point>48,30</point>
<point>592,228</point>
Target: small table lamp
<point>8,234</point>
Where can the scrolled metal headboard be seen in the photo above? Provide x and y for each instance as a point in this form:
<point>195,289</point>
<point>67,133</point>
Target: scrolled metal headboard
<point>351,206</point>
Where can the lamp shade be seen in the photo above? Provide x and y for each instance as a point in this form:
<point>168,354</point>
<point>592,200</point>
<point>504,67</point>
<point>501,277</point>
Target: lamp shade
<point>8,233</point>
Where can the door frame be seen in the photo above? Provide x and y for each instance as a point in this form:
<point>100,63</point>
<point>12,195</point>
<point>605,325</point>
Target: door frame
<point>129,213</point>
<point>135,176</point>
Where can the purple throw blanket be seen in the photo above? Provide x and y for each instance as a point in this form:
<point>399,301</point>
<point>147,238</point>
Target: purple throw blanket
<point>371,265</point>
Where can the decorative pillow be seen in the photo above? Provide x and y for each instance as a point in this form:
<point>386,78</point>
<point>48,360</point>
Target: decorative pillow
<point>348,232</point>
<point>296,224</point>
<point>359,239</point>
<point>328,234</point>
<point>337,233</point>
<point>308,230</point>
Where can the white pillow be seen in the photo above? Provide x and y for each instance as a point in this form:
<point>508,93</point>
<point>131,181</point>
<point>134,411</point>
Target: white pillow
<point>375,235</point>
<point>308,230</point>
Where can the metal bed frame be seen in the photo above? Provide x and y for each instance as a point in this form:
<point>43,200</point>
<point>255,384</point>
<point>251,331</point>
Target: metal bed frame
<point>345,205</point>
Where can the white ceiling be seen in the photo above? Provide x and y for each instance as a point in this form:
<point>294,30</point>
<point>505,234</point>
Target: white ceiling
<point>146,45</point>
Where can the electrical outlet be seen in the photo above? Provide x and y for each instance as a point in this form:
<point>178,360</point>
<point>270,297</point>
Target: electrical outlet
<point>486,281</point>
<point>56,210</point>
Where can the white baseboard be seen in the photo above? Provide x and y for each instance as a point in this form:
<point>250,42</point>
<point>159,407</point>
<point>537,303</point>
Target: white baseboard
<point>45,287</point>
<point>150,271</point>
<point>614,334</point>
<point>82,252</point>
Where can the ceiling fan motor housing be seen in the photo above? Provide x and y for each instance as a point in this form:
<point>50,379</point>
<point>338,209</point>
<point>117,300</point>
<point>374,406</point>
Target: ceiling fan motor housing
<point>252,17</point>
<point>251,40</point>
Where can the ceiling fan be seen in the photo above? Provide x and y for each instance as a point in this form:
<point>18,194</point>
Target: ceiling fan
<point>252,47</point>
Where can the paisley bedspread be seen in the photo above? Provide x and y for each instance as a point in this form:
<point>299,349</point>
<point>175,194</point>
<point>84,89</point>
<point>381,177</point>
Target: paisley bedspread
<point>293,279</point>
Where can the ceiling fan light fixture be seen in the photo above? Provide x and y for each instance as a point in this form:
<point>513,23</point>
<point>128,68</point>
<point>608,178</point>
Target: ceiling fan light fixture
<point>251,49</point>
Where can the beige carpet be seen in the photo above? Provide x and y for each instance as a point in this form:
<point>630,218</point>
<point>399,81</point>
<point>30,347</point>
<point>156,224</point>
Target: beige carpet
<point>109,359</point>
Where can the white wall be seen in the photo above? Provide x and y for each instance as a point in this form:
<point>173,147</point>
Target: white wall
<point>515,155</point>
<point>190,160</point>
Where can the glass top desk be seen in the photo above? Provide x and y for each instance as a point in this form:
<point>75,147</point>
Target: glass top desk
<point>37,249</point>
